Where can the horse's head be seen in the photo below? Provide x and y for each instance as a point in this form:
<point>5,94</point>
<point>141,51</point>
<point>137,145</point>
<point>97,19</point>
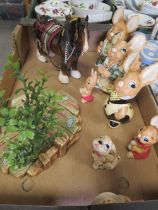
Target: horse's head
<point>77,30</point>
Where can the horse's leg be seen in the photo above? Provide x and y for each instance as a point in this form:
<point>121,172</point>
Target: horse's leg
<point>51,54</point>
<point>63,74</point>
<point>39,53</point>
<point>74,72</point>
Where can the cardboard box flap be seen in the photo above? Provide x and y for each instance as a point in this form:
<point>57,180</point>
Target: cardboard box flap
<point>20,42</point>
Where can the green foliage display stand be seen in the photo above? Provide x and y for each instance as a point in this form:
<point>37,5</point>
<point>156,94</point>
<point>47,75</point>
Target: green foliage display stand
<point>37,127</point>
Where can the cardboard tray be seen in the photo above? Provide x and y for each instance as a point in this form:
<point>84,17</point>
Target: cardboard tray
<point>72,180</point>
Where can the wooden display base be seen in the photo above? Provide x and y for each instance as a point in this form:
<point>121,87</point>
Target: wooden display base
<point>69,121</point>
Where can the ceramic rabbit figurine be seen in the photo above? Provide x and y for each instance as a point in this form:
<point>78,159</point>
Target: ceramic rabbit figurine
<point>140,146</point>
<point>119,31</point>
<point>117,107</point>
<point>86,91</point>
<point>120,58</point>
<point>109,197</point>
<point>104,153</point>
<point>111,67</point>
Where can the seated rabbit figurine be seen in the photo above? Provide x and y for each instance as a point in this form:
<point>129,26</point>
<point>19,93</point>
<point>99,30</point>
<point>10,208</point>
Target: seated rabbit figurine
<point>117,107</point>
<point>119,31</point>
<point>122,57</point>
<point>104,153</point>
<point>140,146</point>
<point>111,68</point>
<point>86,91</point>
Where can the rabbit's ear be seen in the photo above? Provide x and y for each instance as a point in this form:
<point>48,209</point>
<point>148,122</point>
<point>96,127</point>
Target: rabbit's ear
<point>118,15</point>
<point>137,43</point>
<point>95,75</point>
<point>113,148</point>
<point>92,72</point>
<point>154,121</point>
<point>149,74</point>
<point>133,23</point>
<point>129,61</point>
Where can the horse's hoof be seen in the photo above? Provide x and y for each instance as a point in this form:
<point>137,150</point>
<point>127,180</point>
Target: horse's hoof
<point>75,74</point>
<point>63,78</point>
<point>51,54</point>
<point>40,57</point>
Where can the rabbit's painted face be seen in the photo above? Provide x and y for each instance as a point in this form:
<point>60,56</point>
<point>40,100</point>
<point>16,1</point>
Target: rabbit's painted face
<point>102,145</point>
<point>90,83</point>
<point>148,135</point>
<point>118,32</point>
<point>128,86</point>
<point>118,52</point>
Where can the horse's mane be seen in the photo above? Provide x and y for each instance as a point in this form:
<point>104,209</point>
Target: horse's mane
<point>71,28</point>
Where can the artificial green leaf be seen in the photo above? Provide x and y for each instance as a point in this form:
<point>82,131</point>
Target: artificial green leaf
<point>29,134</point>
<point>4,111</point>
<point>2,93</point>
<point>2,122</point>
<point>16,65</point>
<point>11,129</point>
<point>12,122</point>
<point>12,113</point>
<point>22,135</point>
<point>13,146</point>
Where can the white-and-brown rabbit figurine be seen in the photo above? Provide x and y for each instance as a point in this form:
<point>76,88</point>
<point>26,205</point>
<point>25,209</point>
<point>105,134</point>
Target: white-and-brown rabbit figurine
<point>117,107</point>
<point>139,147</point>
<point>86,91</point>
<point>119,31</point>
<point>104,154</point>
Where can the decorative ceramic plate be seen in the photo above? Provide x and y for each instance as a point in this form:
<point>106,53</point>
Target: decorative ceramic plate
<point>150,6</point>
<point>144,20</point>
<point>101,14</point>
<point>143,6</point>
<point>53,9</point>
<point>151,3</point>
<point>85,4</point>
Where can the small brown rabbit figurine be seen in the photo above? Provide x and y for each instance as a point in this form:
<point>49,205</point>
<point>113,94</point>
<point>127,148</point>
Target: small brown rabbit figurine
<point>119,31</point>
<point>117,106</point>
<point>86,91</point>
<point>147,136</point>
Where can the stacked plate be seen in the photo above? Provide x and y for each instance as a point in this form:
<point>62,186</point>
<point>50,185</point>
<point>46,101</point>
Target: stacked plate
<point>144,20</point>
<point>99,12</point>
<point>53,9</point>
<point>96,10</point>
<point>149,7</point>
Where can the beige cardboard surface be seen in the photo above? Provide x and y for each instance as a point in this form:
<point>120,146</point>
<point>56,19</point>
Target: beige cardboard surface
<point>72,180</point>
<point>147,104</point>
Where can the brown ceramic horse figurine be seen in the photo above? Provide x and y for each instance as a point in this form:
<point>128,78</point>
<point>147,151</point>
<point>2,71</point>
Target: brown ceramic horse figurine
<point>69,41</point>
